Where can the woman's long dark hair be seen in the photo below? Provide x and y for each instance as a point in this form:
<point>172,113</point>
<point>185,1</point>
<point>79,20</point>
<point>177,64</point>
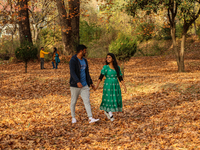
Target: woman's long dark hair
<point>114,63</point>
<point>55,50</point>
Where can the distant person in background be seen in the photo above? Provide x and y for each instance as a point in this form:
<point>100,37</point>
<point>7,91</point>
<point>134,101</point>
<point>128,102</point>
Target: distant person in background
<point>42,52</point>
<point>55,58</point>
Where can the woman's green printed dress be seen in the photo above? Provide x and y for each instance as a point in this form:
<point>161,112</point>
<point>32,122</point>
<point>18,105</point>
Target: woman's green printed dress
<point>111,99</point>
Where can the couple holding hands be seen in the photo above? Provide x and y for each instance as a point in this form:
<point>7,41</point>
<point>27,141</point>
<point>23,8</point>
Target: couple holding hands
<point>80,82</point>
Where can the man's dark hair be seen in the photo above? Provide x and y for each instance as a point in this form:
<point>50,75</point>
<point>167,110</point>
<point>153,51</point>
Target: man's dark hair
<point>42,47</point>
<point>80,47</point>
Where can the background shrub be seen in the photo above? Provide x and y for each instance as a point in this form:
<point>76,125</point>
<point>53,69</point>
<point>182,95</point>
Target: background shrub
<point>124,47</point>
<point>26,52</point>
<point>145,31</point>
<point>166,33</point>
<point>89,32</point>
<point>179,29</point>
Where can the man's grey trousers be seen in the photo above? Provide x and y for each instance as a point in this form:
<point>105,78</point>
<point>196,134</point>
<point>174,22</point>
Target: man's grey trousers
<point>84,92</point>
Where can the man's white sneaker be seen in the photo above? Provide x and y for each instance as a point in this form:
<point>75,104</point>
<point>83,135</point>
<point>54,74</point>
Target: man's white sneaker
<point>91,120</point>
<point>107,114</point>
<point>73,120</point>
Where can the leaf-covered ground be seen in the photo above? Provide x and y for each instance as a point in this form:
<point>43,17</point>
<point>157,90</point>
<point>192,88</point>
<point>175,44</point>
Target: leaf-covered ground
<point>160,110</point>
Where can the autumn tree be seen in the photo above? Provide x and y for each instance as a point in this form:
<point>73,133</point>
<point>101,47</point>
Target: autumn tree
<point>66,29</point>
<point>182,9</point>
<point>42,14</point>
<point>26,52</point>
<point>74,12</point>
<point>8,19</point>
<point>24,24</point>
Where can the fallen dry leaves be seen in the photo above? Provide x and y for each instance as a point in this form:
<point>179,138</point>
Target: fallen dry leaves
<point>160,110</point>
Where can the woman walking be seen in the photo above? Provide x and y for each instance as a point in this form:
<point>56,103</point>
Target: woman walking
<point>55,58</point>
<point>111,99</point>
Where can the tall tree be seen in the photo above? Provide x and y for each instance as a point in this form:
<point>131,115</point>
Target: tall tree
<point>24,24</point>
<point>42,14</point>
<point>184,9</point>
<point>66,29</point>
<point>9,19</point>
<point>74,11</point>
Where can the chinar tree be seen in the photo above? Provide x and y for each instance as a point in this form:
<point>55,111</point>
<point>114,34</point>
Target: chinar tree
<point>187,11</point>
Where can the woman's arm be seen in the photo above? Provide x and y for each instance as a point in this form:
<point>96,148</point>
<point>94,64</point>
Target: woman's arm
<point>97,85</point>
<point>100,79</point>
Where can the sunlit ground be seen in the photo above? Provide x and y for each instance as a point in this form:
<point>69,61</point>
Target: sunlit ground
<point>160,109</point>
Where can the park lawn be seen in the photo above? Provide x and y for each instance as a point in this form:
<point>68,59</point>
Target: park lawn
<point>160,109</point>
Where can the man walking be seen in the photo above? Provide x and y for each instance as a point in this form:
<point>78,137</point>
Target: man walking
<point>80,82</point>
<point>42,52</point>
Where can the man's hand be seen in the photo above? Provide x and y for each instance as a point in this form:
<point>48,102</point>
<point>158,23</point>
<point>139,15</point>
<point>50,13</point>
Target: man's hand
<point>79,85</point>
<point>93,87</point>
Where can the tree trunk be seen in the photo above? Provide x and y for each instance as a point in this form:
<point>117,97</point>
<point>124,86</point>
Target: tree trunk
<point>24,24</point>
<point>195,29</point>
<point>74,12</point>
<point>12,50</point>
<point>66,29</point>
<point>25,66</point>
<point>36,35</point>
<point>173,34</point>
<point>181,67</point>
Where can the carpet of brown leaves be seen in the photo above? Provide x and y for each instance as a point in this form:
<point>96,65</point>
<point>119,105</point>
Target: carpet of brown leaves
<point>160,110</point>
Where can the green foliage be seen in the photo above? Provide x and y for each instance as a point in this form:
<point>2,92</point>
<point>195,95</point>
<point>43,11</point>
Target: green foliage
<point>11,59</point>
<point>198,32</point>
<point>48,57</point>
<point>164,32</point>
<point>157,49</point>
<point>99,48</point>
<point>89,32</point>
<point>124,47</point>
<point>26,52</point>
<point>179,29</point>
<point>109,7</point>
<point>144,31</point>
<point>153,47</point>
<point>133,6</point>
<point>49,37</point>
<point>187,10</point>
<point>7,47</point>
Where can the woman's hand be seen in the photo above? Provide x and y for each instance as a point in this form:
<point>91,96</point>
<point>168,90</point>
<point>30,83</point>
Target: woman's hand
<point>96,87</point>
<point>93,87</point>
